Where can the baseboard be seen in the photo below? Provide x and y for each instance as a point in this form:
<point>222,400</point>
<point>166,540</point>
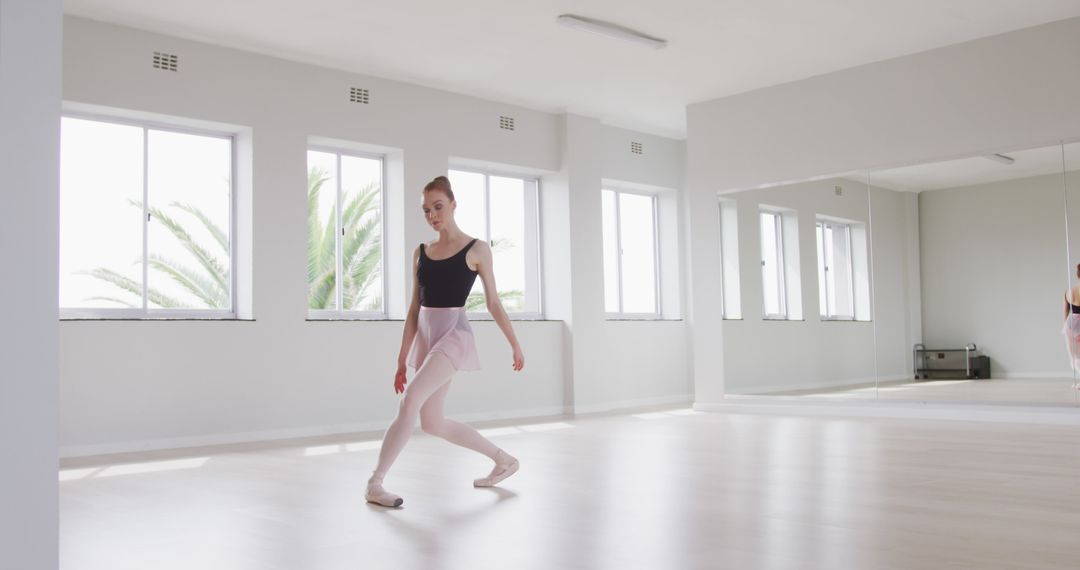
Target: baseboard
<point>794,406</point>
<point>816,385</point>
<point>74,451</point>
<point>1030,375</point>
<point>638,403</point>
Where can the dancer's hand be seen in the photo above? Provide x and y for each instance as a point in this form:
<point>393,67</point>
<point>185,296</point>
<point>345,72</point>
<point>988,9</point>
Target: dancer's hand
<point>399,380</point>
<point>519,359</point>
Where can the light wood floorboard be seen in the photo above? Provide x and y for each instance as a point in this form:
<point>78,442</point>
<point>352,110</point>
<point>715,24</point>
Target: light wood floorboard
<point>662,490</point>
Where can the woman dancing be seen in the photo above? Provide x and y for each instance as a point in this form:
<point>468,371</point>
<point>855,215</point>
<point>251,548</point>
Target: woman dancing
<point>1071,328</point>
<point>438,342</point>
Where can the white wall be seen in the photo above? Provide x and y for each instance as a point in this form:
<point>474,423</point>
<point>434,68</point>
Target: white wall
<point>30,32</point>
<point>1009,91</point>
<point>993,273</point>
<point>772,356</point>
<point>895,228</point>
<point>131,385</point>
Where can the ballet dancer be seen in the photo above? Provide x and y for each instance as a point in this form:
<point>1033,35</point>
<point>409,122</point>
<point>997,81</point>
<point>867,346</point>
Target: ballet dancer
<point>1071,327</point>
<point>438,341</point>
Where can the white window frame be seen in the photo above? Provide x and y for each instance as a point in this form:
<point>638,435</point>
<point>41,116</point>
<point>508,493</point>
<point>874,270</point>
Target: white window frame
<point>339,313</point>
<point>620,314</point>
<point>146,312</point>
<point>533,258</point>
<point>780,266</point>
<point>828,312</point>
<point>720,236</point>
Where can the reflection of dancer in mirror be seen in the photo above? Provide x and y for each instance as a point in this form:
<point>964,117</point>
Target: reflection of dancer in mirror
<point>438,341</point>
<point>1071,329</point>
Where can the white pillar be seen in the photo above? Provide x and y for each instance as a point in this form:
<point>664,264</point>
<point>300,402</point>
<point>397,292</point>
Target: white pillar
<point>30,70</point>
<point>574,260</point>
<point>704,313</point>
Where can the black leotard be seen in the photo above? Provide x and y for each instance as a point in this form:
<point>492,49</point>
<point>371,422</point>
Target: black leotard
<point>444,282</point>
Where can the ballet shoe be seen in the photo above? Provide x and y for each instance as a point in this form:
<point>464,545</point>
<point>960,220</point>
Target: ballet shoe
<point>376,494</point>
<point>498,473</point>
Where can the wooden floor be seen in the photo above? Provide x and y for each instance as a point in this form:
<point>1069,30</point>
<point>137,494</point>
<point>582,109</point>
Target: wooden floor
<point>1035,391</point>
<point>661,490</point>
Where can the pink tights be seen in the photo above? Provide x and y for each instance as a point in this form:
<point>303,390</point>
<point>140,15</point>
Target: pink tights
<point>424,397</point>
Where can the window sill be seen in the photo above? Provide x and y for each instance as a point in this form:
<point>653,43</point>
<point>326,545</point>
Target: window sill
<point>643,319</point>
<point>826,320</point>
<point>391,320</point>
<point>153,319</point>
<point>347,319</point>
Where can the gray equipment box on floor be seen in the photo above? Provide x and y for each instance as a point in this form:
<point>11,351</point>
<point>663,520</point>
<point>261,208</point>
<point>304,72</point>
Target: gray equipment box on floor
<point>945,363</point>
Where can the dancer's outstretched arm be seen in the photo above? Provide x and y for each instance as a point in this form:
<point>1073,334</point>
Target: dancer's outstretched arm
<point>410,328</point>
<point>494,304</point>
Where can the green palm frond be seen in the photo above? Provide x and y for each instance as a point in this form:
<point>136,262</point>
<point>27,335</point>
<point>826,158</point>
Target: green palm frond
<point>215,230</point>
<point>477,300</point>
<point>213,267</point>
<point>316,179</point>
<point>209,282</point>
<point>361,254</point>
<point>122,281</point>
<point>193,281</point>
<point>361,248</point>
<point>501,244</point>
<point>132,286</point>
<point>321,291</point>
<point>363,203</point>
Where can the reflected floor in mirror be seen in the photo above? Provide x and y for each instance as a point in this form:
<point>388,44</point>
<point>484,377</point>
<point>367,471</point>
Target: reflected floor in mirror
<point>1059,391</point>
<point>666,489</point>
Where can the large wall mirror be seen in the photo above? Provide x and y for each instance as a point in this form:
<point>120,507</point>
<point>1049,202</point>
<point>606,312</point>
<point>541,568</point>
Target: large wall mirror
<point>798,289</point>
<point>993,269</point>
<point>948,281</point>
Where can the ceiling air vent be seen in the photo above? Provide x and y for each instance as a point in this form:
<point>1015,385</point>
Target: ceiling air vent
<point>636,148</point>
<point>165,61</point>
<point>358,95</point>
<point>506,123</point>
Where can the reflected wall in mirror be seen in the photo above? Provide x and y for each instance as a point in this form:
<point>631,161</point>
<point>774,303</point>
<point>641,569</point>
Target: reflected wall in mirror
<point>1071,309</point>
<point>991,273</point>
<point>797,286</point>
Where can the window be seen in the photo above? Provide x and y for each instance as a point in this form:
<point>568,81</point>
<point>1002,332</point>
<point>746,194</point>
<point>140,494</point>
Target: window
<point>772,265</point>
<point>631,286</point>
<point>836,284</point>
<point>843,269</point>
<point>146,221</point>
<point>730,294</point>
<point>345,235</point>
<point>503,210</point>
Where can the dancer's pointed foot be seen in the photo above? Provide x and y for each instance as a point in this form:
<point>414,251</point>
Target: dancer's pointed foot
<point>376,494</point>
<point>505,466</point>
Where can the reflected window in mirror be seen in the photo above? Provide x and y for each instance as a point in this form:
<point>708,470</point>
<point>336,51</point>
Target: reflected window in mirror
<point>772,266</point>
<point>780,277</point>
<point>730,295</point>
<point>836,278</point>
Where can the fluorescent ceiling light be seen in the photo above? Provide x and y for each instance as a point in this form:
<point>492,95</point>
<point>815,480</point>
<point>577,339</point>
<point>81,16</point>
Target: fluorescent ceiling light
<point>1000,158</point>
<point>610,30</point>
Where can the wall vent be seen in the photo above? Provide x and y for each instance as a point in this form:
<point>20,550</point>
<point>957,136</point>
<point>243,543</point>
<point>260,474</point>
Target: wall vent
<point>506,123</point>
<point>637,148</point>
<point>358,95</point>
<point>165,61</point>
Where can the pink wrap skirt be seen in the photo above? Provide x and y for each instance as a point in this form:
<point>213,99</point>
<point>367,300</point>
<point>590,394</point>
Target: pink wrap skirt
<point>445,330</point>
<point>1071,330</point>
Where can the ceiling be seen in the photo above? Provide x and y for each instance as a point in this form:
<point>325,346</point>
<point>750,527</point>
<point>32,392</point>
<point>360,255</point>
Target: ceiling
<point>979,170</point>
<point>514,52</point>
